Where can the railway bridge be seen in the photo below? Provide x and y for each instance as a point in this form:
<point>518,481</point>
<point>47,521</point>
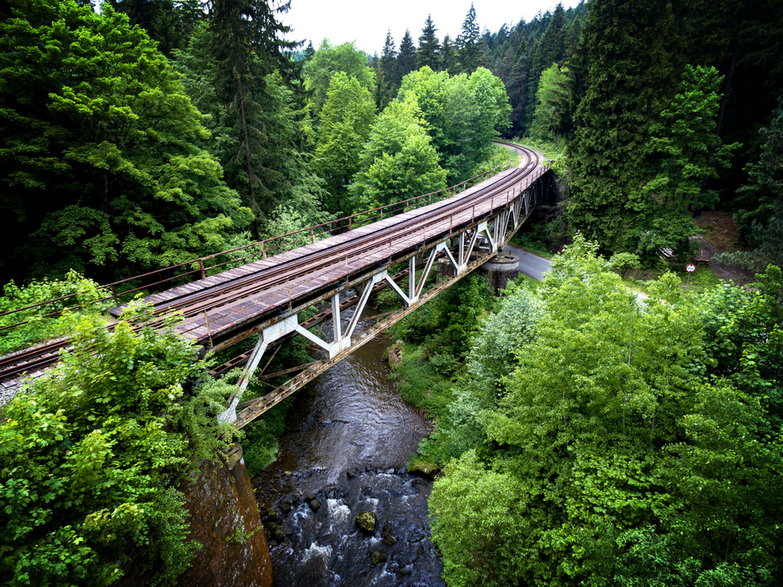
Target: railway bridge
<point>292,295</point>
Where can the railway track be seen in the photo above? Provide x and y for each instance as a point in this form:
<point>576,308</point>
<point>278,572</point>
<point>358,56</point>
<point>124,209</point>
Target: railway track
<point>275,273</point>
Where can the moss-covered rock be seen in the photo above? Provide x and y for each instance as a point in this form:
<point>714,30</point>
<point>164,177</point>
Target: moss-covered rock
<point>366,522</point>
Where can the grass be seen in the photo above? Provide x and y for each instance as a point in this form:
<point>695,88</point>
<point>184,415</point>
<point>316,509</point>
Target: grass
<point>524,241</point>
<point>553,152</point>
<point>420,384</point>
<point>703,278</point>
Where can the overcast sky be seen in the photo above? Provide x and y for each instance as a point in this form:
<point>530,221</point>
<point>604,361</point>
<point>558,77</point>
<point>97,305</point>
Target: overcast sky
<point>366,21</point>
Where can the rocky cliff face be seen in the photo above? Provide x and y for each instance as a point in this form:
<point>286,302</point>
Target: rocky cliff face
<point>225,520</point>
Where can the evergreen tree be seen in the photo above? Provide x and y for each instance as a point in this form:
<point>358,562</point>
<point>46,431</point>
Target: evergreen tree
<point>448,56</point>
<point>684,148</point>
<point>629,49</point>
<point>168,22</point>
<point>388,80</point>
<point>550,49</point>
<point>406,59</point>
<point>468,46</point>
<point>760,217</point>
<point>246,46</point>
<point>429,48</point>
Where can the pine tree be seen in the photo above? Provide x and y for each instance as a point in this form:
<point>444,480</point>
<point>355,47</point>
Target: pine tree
<point>468,46</point>
<point>246,47</point>
<point>429,48</point>
<point>389,76</point>
<point>406,59</point>
<point>629,48</point>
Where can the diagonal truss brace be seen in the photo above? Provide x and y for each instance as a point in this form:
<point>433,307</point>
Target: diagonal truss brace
<point>489,234</point>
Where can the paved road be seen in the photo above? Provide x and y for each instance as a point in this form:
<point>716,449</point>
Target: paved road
<point>530,264</point>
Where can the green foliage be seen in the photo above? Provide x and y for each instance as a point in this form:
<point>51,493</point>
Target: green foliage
<point>468,48</point>
<point>464,114</point>
<point>624,262</point>
<point>344,126</point>
<point>445,324</point>
<point>95,454</point>
<point>683,152</point>
<point>761,200</point>
<point>501,333</point>
<point>101,167</point>
<point>166,21</point>
<point>42,322</point>
<point>487,549</point>
<point>398,160</point>
<point>244,50</point>
<point>552,99</point>
<point>629,67</point>
<point>634,442</point>
<point>429,52</point>
<point>744,336</point>
<point>317,72</point>
<point>259,439</point>
<point>548,51</point>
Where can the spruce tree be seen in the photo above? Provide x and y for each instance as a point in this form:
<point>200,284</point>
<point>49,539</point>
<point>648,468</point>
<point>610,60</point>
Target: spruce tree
<point>246,47</point>
<point>388,79</point>
<point>468,46</point>
<point>629,79</point>
<point>448,55</point>
<point>406,59</point>
<point>429,48</point>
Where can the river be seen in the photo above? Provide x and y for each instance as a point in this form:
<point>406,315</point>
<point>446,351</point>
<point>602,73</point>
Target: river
<point>347,439</point>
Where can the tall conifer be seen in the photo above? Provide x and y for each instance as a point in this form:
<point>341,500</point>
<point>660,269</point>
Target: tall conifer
<point>406,60</point>
<point>246,46</point>
<point>629,78</point>
<point>468,47</point>
<point>429,47</point>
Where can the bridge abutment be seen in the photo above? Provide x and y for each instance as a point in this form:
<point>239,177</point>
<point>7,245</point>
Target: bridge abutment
<point>224,518</point>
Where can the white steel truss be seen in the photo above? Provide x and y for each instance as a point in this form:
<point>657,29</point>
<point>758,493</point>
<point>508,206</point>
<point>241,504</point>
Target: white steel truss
<point>462,250</point>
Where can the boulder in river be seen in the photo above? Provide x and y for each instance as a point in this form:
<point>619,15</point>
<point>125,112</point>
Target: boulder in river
<point>366,522</point>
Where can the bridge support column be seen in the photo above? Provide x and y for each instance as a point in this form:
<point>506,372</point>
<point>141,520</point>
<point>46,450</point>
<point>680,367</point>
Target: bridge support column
<point>337,327</point>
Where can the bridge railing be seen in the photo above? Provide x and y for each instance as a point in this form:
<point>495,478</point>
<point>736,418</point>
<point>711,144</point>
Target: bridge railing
<point>201,267</point>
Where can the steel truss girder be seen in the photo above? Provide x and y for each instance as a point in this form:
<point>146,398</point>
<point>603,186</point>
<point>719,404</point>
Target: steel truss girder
<point>486,235</point>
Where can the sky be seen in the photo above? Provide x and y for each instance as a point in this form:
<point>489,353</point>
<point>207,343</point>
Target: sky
<point>366,21</point>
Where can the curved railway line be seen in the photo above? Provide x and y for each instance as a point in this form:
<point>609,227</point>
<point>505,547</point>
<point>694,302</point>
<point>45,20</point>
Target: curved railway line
<point>215,308</point>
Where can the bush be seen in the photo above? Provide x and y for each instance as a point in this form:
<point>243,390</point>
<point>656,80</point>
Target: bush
<point>95,453</point>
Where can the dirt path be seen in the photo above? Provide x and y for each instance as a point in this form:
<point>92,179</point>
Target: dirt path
<point>720,235</point>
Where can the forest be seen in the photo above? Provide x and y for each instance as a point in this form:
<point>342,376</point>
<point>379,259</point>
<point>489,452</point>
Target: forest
<point>580,436</point>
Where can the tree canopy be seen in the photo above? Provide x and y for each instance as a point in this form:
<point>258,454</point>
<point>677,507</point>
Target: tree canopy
<point>102,166</point>
<point>628,443</point>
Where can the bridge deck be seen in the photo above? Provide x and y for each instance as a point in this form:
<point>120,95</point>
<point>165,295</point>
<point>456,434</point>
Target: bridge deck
<point>246,303</point>
<point>237,302</point>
